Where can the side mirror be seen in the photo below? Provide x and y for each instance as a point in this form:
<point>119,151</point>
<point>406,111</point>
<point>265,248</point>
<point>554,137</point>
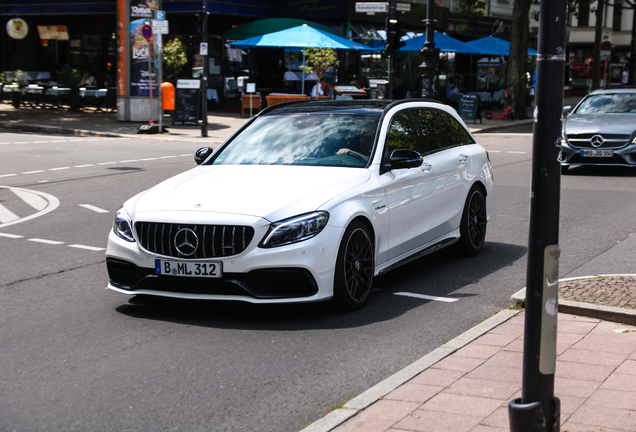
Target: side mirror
<point>202,154</point>
<point>566,110</point>
<point>402,158</point>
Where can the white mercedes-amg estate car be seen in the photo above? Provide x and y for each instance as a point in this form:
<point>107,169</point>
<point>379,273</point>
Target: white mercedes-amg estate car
<point>308,201</point>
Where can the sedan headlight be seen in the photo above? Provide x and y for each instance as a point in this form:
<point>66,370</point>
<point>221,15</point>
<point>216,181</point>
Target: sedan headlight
<point>122,225</point>
<point>295,229</point>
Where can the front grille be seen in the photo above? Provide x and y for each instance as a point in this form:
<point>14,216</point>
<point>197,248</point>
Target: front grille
<point>609,140</point>
<point>212,241</point>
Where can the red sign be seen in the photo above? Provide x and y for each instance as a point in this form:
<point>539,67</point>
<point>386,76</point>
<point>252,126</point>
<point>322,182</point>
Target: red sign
<point>146,30</point>
<point>607,45</point>
<point>439,2</point>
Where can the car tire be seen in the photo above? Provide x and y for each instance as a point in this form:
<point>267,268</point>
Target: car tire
<point>472,228</point>
<point>355,267</point>
<point>564,169</point>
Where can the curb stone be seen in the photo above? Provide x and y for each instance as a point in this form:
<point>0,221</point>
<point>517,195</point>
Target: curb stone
<point>606,313</point>
<point>377,392</point>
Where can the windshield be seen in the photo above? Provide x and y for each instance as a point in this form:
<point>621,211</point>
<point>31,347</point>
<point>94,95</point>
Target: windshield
<point>608,103</point>
<point>303,139</point>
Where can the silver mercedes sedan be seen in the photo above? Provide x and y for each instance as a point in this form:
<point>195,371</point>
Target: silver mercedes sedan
<point>601,130</point>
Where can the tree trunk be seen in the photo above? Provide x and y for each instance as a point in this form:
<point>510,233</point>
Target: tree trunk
<point>518,58</point>
<point>598,36</point>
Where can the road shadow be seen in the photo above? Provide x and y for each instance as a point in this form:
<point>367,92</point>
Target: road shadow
<point>600,171</point>
<point>439,274</point>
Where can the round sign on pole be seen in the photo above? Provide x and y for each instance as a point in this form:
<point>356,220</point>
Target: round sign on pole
<point>607,45</point>
<point>17,28</point>
<point>146,31</point>
<point>439,2</point>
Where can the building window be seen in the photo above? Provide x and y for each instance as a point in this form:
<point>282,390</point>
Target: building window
<point>584,13</point>
<point>618,15</point>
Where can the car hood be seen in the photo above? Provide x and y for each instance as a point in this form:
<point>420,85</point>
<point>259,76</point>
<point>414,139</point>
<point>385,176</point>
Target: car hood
<point>607,123</point>
<point>271,192</point>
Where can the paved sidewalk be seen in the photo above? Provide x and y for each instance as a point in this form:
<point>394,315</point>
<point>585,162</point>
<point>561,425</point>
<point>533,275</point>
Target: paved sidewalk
<point>467,384</point>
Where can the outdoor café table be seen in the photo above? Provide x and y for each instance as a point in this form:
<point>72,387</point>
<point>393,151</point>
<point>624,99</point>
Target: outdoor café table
<point>274,99</point>
<point>56,95</point>
<point>93,97</point>
<point>33,95</point>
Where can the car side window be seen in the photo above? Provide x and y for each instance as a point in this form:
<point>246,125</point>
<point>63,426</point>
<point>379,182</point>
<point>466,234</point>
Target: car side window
<point>401,135</point>
<point>460,131</point>
<point>434,136</point>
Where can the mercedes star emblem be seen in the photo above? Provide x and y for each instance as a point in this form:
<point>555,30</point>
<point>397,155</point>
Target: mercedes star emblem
<point>597,140</point>
<point>186,242</point>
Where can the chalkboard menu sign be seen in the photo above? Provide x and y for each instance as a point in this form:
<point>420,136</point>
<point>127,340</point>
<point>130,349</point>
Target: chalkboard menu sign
<point>187,108</point>
<point>470,107</point>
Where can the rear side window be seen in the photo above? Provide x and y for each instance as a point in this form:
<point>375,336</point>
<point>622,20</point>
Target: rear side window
<point>435,135</point>
<point>460,131</point>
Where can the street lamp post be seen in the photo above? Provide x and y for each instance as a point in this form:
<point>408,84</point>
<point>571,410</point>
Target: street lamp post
<point>632,51</point>
<point>204,78</point>
<point>429,54</point>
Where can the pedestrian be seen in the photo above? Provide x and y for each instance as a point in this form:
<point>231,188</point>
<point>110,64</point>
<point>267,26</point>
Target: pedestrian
<point>625,78</point>
<point>318,89</point>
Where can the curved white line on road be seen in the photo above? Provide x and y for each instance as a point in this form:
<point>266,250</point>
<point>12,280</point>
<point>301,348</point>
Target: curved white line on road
<point>51,204</point>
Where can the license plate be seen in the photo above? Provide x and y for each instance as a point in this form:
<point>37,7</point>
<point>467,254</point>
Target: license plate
<point>597,153</point>
<point>189,268</point>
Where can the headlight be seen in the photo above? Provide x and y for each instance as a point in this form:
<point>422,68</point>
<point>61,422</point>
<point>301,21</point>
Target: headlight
<point>564,139</point>
<point>295,229</point>
<point>122,225</point>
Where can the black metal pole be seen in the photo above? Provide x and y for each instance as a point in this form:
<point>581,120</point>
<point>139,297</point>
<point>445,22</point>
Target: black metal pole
<point>390,20</point>
<point>538,409</point>
<point>204,78</point>
<point>632,51</point>
<point>429,54</point>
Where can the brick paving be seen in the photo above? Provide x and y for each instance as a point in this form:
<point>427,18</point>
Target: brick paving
<point>617,291</point>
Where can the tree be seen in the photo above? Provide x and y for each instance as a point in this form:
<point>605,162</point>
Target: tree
<point>518,58</point>
<point>319,60</point>
<point>174,58</point>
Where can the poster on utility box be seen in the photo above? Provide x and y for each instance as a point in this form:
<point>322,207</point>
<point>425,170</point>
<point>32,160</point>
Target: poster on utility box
<point>141,49</point>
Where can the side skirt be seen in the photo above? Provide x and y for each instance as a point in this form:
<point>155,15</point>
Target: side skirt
<point>434,247</point>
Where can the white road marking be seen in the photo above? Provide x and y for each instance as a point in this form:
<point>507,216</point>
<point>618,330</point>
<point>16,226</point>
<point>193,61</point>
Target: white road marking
<point>90,248</point>
<point>106,163</point>
<point>7,215</point>
<point>427,297</point>
<point>13,236</point>
<point>59,169</point>
<point>33,172</point>
<point>49,201</point>
<point>517,152</point>
<point>31,198</point>
<point>38,142</point>
<point>21,142</point>
<point>494,151</point>
<point>93,208</point>
<point>167,157</point>
<point>132,160</point>
<point>51,242</point>
<point>8,175</point>
<point>84,166</point>
<point>148,159</point>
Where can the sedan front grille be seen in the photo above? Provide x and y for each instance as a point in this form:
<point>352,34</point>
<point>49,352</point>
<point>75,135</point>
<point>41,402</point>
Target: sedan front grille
<point>203,241</point>
<point>609,140</point>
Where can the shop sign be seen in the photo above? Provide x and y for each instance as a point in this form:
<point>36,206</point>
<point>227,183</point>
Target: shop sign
<point>17,28</point>
<point>141,10</point>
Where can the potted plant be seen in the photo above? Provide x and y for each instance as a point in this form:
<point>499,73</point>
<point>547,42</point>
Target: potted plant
<point>72,79</point>
<point>19,82</point>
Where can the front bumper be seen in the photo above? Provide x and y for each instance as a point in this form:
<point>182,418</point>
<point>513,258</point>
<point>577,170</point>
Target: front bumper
<point>300,272</point>
<point>622,157</point>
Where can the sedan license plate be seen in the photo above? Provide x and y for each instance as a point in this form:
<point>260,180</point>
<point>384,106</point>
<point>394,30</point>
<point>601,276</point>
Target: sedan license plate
<point>597,153</point>
<point>189,268</point>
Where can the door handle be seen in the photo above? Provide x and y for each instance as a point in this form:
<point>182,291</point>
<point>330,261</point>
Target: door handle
<point>426,167</point>
<point>463,158</point>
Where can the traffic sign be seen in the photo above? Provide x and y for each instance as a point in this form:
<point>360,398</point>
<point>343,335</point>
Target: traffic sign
<point>160,27</point>
<point>146,31</point>
<point>203,49</point>
<point>160,15</point>
<point>607,45</point>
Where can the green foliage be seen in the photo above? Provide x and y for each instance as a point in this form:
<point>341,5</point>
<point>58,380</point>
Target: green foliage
<point>379,69</point>
<point>70,77</point>
<point>318,60</point>
<point>174,58</point>
<point>469,9</point>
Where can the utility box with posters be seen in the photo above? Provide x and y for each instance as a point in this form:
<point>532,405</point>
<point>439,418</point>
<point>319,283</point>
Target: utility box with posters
<point>187,101</point>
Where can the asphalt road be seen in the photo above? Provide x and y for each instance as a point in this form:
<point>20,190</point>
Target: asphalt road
<point>75,356</point>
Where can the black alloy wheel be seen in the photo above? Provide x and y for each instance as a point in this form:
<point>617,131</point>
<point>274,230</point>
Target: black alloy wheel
<point>355,267</point>
<point>474,221</point>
